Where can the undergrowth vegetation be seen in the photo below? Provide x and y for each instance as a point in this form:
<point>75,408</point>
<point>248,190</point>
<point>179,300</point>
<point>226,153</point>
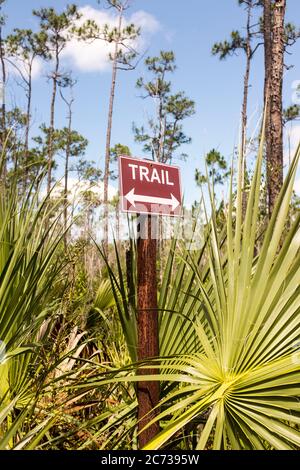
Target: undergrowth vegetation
<point>229,365</point>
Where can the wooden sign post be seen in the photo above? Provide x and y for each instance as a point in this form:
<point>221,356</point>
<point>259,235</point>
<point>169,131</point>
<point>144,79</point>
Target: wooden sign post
<point>148,345</point>
<point>149,189</point>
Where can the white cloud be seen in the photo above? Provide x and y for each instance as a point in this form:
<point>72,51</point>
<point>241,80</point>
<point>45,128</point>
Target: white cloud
<point>292,139</point>
<point>146,21</point>
<point>297,186</point>
<point>37,68</point>
<point>19,66</point>
<point>76,188</point>
<point>93,56</point>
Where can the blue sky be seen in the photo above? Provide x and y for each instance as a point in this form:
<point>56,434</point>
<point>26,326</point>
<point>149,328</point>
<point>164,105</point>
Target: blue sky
<point>188,28</point>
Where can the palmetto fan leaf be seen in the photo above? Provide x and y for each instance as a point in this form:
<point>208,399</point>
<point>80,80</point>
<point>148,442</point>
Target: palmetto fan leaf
<point>229,332</point>
<point>28,269</point>
<point>244,372</point>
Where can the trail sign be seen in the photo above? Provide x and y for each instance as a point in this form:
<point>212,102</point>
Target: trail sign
<point>147,187</point>
<point>150,188</point>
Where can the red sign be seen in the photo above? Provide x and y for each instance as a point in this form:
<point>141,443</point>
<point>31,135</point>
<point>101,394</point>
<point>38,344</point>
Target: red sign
<point>147,187</point>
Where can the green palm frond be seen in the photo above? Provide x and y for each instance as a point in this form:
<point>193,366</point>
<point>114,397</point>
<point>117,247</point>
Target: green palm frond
<point>246,375</point>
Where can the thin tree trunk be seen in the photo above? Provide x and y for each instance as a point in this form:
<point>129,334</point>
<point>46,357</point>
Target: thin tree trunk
<point>275,162</point>
<point>267,90</point>
<point>3,107</point>
<point>268,52</point>
<point>162,126</point>
<point>68,147</point>
<point>28,118</point>
<point>245,106</point>
<point>108,133</point>
<point>51,130</point>
<point>160,158</point>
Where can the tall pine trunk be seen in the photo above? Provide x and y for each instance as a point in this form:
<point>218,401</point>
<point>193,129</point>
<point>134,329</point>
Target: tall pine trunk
<point>246,80</point>
<point>245,105</point>
<point>274,13</point>
<point>68,149</point>
<point>267,87</point>
<point>51,129</point>
<point>108,132</point>
<point>27,129</point>
<point>275,162</point>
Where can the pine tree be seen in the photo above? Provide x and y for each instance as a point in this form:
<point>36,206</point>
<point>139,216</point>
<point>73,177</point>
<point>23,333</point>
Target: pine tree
<point>115,153</point>
<point>248,44</point>
<point>23,47</point>
<point>58,28</point>
<point>72,144</point>
<point>165,133</point>
<point>122,58</point>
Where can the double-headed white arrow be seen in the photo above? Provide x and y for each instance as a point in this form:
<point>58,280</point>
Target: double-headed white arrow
<point>132,198</point>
